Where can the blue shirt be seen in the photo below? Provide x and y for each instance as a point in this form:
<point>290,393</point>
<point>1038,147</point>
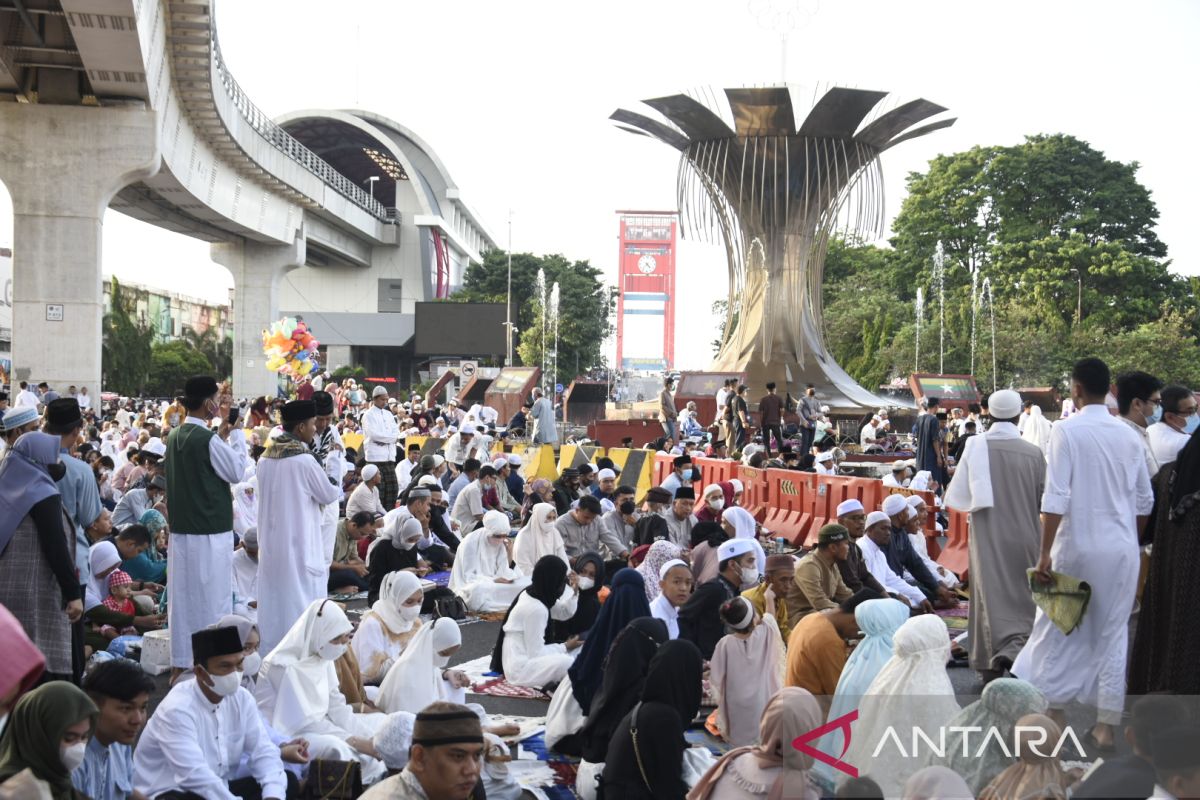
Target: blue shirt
<point>457,486</point>
<point>81,499</point>
<point>106,772</point>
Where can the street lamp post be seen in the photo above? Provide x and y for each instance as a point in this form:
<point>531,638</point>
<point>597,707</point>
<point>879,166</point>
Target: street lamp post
<point>371,185</point>
<point>508,324</point>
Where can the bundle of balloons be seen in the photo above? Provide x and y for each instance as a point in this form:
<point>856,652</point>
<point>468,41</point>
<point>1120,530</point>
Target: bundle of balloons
<point>290,348</point>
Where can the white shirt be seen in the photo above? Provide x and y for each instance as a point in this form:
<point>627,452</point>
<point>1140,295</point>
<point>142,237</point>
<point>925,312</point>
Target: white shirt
<point>1151,461</point>
<point>868,434</point>
<point>661,608</point>
<point>722,396</point>
<point>27,399</point>
<point>380,432</point>
<point>228,459</point>
<point>404,472</point>
<point>191,745</point>
<point>84,400</point>
<point>467,506</point>
<point>1165,442</point>
<point>877,565</point>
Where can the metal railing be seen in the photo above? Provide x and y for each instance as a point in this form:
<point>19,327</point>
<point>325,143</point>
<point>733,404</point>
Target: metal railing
<point>291,147</point>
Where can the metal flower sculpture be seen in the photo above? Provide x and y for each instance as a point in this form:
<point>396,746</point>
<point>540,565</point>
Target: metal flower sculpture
<point>772,194</point>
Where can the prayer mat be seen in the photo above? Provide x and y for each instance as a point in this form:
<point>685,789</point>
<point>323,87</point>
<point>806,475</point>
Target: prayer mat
<point>699,736</point>
<point>484,681</point>
<point>440,578</point>
<point>565,768</point>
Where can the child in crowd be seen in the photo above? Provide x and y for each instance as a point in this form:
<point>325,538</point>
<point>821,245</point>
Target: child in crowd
<point>120,599</point>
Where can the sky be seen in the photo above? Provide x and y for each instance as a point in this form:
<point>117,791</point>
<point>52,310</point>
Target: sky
<point>515,99</point>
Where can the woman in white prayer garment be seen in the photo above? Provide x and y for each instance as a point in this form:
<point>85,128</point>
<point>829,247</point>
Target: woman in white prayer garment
<point>420,676</point>
<point>538,538</point>
<point>388,627</point>
<point>298,695</point>
<point>245,506</point>
<point>521,652</point>
<point>482,574</point>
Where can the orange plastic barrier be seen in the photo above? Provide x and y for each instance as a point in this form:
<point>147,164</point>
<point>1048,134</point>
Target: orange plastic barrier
<point>789,515</point>
<point>954,556</point>
<point>756,491</point>
<point>715,470</point>
<point>663,465</point>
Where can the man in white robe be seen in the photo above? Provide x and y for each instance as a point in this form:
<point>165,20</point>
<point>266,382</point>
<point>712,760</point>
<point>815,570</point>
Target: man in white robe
<point>201,465</point>
<point>1095,506</point>
<point>245,576</point>
<point>380,432</point>
<point>327,446</point>
<point>200,731</point>
<point>545,431</point>
<point>999,480</point>
<point>293,569</point>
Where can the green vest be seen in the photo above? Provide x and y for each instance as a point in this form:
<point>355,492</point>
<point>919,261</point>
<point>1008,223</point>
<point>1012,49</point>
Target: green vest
<point>198,500</point>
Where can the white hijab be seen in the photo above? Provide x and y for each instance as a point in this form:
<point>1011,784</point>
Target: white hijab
<point>396,588</point>
<point>301,678</point>
<point>102,558</point>
<point>539,537</point>
<point>1037,429</point>
<point>245,506</point>
<point>415,680</point>
<point>744,527</point>
<point>478,558</point>
<point>911,691</point>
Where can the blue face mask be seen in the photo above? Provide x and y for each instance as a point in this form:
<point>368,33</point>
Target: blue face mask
<point>1156,416</point>
<point>1192,423</point>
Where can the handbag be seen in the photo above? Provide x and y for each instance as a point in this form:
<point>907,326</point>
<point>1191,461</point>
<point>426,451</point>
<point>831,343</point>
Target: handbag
<point>333,780</point>
<point>441,602</point>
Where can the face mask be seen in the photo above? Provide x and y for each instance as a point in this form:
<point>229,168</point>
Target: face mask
<point>1156,416</point>
<point>627,507</point>
<point>71,757</point>
<point>717,505</point>
<point>226,685</point>
<point>251,663</point>
<point>1192,423</point>
<point>330,651</point>
<point>409,545</point>
<point>585,583</point>
<point>749,576</point>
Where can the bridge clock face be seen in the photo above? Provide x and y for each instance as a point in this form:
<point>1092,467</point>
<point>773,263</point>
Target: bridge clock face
<point>646,264</point>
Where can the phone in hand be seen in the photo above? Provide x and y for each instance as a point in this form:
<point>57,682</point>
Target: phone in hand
<point>233,415</point>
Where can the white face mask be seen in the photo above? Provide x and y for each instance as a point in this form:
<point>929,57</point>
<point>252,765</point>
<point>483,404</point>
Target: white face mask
<point>225,685</point>
<point>410,613</point>
<point>749,576</point>
<point>71,757</point>
<point>409,545</point>
<point>330,651</point>
<point>585,583</point>
<point>251,663</point>
<point>717,505</point>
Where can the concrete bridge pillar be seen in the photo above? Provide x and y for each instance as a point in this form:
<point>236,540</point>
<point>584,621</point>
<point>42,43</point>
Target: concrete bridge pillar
<point>257,269</point>
<point>62,165</point>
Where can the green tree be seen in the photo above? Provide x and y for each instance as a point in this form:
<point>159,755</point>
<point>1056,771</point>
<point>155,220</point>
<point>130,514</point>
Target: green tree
<point>171,364</point>
<point>586,306</point>
<point>216,350</point>
<point>125,345</point>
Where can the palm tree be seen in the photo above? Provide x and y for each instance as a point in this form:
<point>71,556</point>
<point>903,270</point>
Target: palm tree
<point>218,351</point>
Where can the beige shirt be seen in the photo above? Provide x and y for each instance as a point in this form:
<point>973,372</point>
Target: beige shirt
<point>821,585</point>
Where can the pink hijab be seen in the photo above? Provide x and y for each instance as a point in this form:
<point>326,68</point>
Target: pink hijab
<point>792,712</point>
<point>23,663</point>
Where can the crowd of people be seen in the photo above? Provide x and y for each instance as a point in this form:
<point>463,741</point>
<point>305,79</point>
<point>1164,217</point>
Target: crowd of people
<point>243,534</point>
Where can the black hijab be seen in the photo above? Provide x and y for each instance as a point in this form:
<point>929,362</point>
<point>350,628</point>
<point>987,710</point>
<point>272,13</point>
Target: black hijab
<point>710,532</point>
<point>588,607</point>
<point>547,584</point>
<point>624,674</point>
<point>1184,483</point>
<point>650,765</point>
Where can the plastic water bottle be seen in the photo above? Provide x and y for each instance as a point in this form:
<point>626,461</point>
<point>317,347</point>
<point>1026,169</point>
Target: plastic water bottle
<point>780,544</point>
